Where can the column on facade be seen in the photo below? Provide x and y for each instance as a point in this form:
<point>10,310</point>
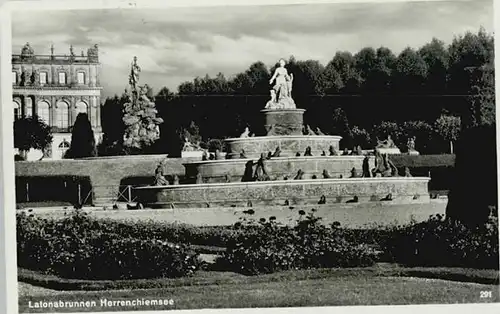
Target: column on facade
<point>98,112</point>
<point>72,110</point>
<point>92,111</point>
<point>53,112</point>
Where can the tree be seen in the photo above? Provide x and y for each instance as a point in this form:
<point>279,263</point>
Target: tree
<point>141,124</point>
<point>82,139</point>
<point>448,127</point>
<point>113,127</point>
<point>466,52</point>
<point>411,72</point>
<point>343,63</point>
<point>381,76</point>
<point>341,127</point>
<point>365,62</point>
<point>481,104</point>
<point>436,57</point>
<point>31,133</point>
<point>361,137</point>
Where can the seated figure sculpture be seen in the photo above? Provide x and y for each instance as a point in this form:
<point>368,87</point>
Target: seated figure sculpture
<point>299,175</point>
<point>332,151</point>
<point>387,143</point>
<point>242,154</point>
<point>277,152</point>
<point>308,151</point>
<point>319,132</point>
<point>245,133</point>
<point>159,177</point>
<point>218,155</point>
<point>326,175</point>
<point>308,130</point>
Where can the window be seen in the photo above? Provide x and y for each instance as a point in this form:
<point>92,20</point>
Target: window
<point>43,111</point>
<point>17,110</point>
<point>80,77</point>
<point>81,107</point>
<point>43,78</point>
<point>14,77</point>
<point>63,147</point>
<point>62,115</point>
<point>64,144</point>
<point>62,78</point>
<point>28,108</point>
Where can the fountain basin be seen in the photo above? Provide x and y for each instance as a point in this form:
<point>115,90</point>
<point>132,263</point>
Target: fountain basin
<point>213,171</point>
<point>290,145</point>
<point>293,192</point>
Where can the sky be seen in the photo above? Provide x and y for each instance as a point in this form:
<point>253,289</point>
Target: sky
<point>174,45</point>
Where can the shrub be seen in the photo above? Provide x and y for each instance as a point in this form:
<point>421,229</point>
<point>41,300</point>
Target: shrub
<point>80,247</point>
<point>309,244</point>
<point>443,242</point>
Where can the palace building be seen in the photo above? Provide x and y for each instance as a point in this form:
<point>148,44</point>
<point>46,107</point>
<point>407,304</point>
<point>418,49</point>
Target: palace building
<point>56,88</point>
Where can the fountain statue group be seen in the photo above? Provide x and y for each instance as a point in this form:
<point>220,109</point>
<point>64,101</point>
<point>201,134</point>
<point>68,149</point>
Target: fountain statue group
<point>281,93</point>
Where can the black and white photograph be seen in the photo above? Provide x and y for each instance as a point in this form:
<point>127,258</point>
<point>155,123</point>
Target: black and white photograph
<point>252,155</point>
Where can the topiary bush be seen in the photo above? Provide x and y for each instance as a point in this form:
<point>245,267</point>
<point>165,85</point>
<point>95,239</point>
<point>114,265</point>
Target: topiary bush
<point>309,244</point>
<point>80,247</point>
<point>443,242</point>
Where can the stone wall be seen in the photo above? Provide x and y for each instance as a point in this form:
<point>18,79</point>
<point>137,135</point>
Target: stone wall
<point>106,174</point>
<point>216,170</point>
<point>299,192</point>
<point>289,145</point>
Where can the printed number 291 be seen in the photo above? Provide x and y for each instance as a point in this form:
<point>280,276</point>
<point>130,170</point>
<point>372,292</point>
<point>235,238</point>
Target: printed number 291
<point>485,294</point>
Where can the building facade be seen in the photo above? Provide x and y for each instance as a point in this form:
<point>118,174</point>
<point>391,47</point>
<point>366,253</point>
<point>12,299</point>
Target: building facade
<point>56,88</point>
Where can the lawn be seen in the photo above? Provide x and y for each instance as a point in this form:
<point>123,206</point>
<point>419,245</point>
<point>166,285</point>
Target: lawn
<point>322,287</point>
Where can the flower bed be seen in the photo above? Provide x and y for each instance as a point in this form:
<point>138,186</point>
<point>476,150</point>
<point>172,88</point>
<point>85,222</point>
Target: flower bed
<point>81,247</point>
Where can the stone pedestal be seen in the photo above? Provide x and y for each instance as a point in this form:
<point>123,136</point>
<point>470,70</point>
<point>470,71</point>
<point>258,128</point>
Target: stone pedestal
<point>283,121</point>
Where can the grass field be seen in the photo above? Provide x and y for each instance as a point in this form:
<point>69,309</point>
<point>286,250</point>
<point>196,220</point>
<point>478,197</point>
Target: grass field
<point>323,287</point>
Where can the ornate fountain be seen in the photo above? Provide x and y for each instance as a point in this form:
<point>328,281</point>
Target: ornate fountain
<point>290,164</point>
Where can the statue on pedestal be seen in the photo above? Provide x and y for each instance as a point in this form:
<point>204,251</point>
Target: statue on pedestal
<point>281,94</point>
<point>35,78</point>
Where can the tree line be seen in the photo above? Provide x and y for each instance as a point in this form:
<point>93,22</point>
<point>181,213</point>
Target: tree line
<point>430,92</point>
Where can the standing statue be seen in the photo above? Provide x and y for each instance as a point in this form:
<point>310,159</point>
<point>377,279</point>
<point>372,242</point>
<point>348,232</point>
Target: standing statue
<point>35,77</point>
<point>25,77</point>
<point>411,144</point>
<point>134,75</point>
<point>282,87</point>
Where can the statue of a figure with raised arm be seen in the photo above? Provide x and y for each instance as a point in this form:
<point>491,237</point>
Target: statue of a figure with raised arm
<point>134,75</point>
<point>281,98</point>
